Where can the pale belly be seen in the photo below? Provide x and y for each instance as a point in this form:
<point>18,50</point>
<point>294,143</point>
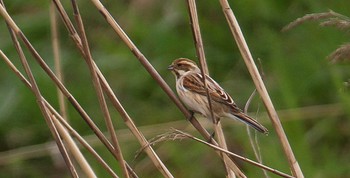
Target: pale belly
<point>194,102</point>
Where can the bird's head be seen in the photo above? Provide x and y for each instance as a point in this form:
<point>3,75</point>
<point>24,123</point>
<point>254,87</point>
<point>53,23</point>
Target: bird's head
<point>182,66</point>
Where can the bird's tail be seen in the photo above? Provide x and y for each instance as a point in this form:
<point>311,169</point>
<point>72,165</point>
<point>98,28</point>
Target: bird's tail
<point>250,121</point>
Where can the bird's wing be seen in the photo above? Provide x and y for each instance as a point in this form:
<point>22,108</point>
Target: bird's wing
<point>194,83</point>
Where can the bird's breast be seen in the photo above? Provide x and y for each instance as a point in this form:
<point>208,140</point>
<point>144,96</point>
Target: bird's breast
<point>193,101</point>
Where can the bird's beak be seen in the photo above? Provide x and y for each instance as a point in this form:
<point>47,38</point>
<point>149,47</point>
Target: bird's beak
<point>171,67</point>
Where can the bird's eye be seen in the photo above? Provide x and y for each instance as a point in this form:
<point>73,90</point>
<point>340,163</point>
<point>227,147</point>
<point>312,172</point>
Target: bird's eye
<point>179,65</point>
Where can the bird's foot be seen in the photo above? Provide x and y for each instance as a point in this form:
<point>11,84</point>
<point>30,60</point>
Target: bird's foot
<point>192,116</point>
<point>211,138</point>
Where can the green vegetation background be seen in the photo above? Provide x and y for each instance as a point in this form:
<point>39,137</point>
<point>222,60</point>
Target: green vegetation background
<point>295,66</point>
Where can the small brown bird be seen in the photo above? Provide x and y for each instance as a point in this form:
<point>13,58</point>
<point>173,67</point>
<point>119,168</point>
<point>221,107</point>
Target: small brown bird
<point>192,92</point>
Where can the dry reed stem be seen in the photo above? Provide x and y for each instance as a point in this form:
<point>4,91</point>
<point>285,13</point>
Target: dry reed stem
<point>98,89</point>
<point>76,105</point>
<point>264,167</point>
<point>254,141</point>
<point>73,148</point>
<point>232,169</point>
<point>131,125</point>
<point>248,59</point>
<point>105,86</point>
<point>255,150</point>
<point>49,121</point>
<point>62,104</point>
<point>57,59</point>
<point>176,134</point>
<point>58,116</point>
<point>36,90</point>
<point>197,37</point>
<point>81,140</point>
<point>53,77</point>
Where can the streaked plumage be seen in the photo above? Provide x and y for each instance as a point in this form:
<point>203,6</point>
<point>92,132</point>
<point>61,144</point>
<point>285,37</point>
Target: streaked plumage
<point>191,90</point>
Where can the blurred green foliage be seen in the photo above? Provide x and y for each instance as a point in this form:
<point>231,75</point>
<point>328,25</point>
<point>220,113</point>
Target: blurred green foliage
<point>294,63</point>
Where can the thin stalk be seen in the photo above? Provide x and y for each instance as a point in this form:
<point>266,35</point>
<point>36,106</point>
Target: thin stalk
<point>36,90</point>
<point>58,116</point>
<point>46,115</point>
<point>64,90</point>
<point>74,149</point>
<point>236,155</point>
<point>231,172</point>
<point>260,86</point>
<point>105,86</point>
<point>98,89</point>
<point>57,59</point>
<point>204,70</point>
<point>81,140</point>
<point>39,100</point>
<point>131,125</point>
<point>197,37</point>
<point>254,141</point>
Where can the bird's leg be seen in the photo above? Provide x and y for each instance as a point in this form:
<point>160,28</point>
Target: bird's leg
<point>192,115</point>
<point>215,121</point>
<point>211,138</point>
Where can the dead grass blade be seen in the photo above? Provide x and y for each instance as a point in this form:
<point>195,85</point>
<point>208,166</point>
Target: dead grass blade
<point>36,91</point>
<point>34,88</point>
<point>54,78</point>
<point>260,86</point>
<point>130,123</point>
<point>73,148</point>
<point>254,141</point>
<point>197,37</point>
<point>98,89</point>
<point>175,134</point>
<point>105,86</point>
<point>58,116</point>
<point>81,140</point>
<point>57,59</point>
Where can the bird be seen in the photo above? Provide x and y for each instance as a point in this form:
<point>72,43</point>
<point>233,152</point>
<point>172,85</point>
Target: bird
<point>192,92</point>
